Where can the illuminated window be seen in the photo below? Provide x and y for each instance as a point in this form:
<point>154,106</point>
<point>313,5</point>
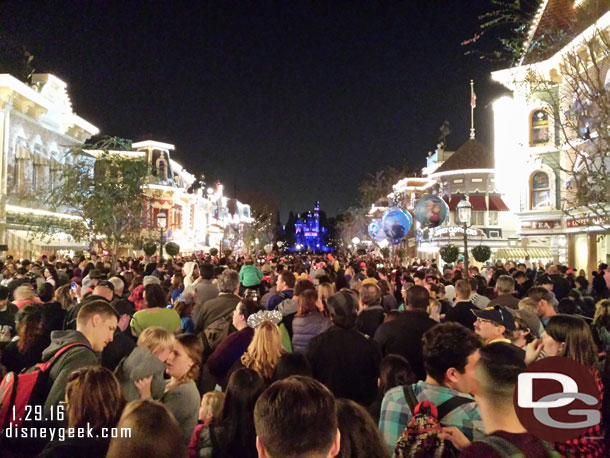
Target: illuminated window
<point>493,218</point>
<point>540,132</point>
<point>540,190</point>
<point>478,218</point>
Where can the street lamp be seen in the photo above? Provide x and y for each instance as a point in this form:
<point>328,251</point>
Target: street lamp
<point>464,211</point>
<point>162,224</point>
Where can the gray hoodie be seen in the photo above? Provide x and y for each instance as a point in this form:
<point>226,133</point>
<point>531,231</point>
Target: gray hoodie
<point>141,363</point>
<point>73,359</point>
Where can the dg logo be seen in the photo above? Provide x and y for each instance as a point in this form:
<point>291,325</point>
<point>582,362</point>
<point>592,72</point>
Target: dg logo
<point>557,399</point>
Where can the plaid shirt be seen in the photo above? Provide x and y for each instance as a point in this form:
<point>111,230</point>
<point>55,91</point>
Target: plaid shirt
<point>395,412</point>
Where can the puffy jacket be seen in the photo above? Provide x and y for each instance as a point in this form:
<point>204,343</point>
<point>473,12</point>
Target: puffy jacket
<point>249,275</point>
<point>305,328</point>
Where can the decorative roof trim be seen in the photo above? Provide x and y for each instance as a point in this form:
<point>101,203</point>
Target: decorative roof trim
<point>153,144</point>
<point>532,30</point>
<point>461,172</point>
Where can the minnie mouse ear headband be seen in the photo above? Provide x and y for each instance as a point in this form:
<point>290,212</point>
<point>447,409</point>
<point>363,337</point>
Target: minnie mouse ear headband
<point>254,320</point>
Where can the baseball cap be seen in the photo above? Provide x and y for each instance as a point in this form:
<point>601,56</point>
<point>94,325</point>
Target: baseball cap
<point>498,314</point>
<point>87,284</point>
<point>531,319</point>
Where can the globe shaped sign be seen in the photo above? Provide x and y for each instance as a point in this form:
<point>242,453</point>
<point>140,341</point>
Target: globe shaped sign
<point>374,227</point>
<point>431,211</point>
<point>381,235</point>
<point>396,223</point>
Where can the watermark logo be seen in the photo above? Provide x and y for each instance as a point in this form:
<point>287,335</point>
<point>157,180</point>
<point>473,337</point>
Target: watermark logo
<point>557,399</point>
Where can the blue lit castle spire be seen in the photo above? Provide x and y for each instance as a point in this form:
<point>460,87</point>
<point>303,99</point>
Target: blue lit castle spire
<point>309,235</point>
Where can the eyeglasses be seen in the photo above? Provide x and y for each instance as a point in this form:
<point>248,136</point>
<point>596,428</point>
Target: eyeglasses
<point>483,320</point>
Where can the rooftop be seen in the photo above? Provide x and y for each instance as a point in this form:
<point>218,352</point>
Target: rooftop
<point>471,155</point>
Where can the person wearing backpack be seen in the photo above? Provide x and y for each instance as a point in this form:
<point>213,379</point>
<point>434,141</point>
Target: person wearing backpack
<point>450,352</point>
<point>95,327</point>
<point>496,374</point>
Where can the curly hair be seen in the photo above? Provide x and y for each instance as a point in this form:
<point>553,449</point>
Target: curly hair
<point>265,350</point>
<point>30,327</point>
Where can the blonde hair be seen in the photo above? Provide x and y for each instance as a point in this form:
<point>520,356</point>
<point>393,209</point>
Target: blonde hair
<point>528,304</point>
<point>213,402</point>
<point>23,292</point>
<point>265,350</point>
<point>156,338</point>
<point>325,291</point>
<point>602,313</point>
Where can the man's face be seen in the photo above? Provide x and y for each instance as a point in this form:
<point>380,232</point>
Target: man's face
<point>280,284</point>
<point>487,330</point>
<point>102,331</point>
<point>419,282</point>
<point>466,382</point>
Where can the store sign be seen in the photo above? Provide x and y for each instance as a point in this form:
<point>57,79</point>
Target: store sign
<point>586,221</point>
<point>546,224</point>
<point>452,231</point>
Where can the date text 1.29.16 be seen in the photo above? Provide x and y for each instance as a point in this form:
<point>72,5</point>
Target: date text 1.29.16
<point>39,413</point>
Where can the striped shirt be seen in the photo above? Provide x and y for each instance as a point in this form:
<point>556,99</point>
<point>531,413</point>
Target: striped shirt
<point>395,412</point>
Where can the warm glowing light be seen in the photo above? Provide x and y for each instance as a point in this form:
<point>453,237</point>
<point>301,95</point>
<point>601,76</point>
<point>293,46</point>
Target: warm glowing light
<point>36,211</point>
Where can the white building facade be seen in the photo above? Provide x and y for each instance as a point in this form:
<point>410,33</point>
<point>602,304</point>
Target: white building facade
<point>531,151</point>
<point>37,129</point>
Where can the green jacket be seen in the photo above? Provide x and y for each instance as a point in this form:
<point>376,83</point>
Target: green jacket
<point>249,275</point>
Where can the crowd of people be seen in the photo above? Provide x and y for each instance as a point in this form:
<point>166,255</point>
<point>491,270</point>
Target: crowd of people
<point>296,355</point>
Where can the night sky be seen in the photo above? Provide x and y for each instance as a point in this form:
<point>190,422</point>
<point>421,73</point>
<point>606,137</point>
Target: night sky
<point>287,101</point>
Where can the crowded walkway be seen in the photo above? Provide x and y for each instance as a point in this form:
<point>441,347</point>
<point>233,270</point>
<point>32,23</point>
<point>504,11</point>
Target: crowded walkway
<point>293,355</point>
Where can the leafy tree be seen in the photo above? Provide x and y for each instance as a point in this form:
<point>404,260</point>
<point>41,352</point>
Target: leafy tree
<point>379,184</point>
<point>290,228</point>
<point>262,228</point>
<point>106,190</point>
<point>352,223</point>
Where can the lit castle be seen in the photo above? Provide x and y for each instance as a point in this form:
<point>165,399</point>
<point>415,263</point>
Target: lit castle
<point>308,233</point>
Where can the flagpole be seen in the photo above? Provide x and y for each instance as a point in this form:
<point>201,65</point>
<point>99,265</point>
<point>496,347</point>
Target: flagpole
<point>472,105</point>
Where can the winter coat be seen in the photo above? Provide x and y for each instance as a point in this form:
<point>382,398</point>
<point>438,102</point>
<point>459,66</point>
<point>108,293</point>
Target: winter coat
<point>347,363</point>
<point>249,275</point>
<point>370,319</point>
<point>141,363</point>
<point>305,328</point>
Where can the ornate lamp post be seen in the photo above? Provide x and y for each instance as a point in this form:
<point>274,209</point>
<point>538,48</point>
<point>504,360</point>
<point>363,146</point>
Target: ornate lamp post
<point>162,224</point>
<point>464,211</point>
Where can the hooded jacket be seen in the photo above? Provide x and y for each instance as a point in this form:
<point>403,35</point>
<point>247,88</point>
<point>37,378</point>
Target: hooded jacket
<point>188,268</point>
<point>141,363</point>
<point>249,276</point>
<point>73,359</point>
